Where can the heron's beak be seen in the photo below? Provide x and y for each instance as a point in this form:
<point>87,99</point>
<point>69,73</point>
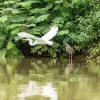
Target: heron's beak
<point>24,40</point>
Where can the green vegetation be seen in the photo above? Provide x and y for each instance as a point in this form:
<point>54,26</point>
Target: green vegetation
<point>78,22</point>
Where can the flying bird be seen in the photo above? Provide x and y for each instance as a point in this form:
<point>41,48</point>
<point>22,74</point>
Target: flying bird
<point>43,40</point>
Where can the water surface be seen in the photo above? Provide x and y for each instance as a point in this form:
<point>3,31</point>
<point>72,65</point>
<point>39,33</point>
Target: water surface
<point>48,79</point>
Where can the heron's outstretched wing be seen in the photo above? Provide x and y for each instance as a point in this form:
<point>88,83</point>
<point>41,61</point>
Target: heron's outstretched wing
<point>26,35</point>
<point>53,31</point>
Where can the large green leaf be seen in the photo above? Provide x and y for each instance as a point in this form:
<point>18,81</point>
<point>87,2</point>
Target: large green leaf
<point>17,18</point>
<point>63,32</point>
<point>14,26</point>
<point>9,2</point>
<point>42,18</point>
<point>58,20</point>
<point>39,10</point>
<point>3,18</point>
<point>10,45</point>
<point>44,48</point>
<point>27,4</point>
<point>3,52</point>
<point>15,11</point>
<point>37,30</point>
<point>15,51</point>
<point>37,47</point>
<point>30,25</point>
<point>31,18</point>
<point>2,40</point>
<point>15,30</point>
<point>65,14</point>
<point>59,1</point>
<point>49,5</point>
<point>75,1</point>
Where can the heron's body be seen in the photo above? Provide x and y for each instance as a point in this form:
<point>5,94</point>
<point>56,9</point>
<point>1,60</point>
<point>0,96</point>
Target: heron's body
<point>70,50</point>
<point>43,40</point>
<point>39,41</point>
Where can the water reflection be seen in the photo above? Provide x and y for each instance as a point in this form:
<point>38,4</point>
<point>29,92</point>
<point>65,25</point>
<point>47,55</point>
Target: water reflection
<point>69,68</point>
<point>49,91</point>
<point>34,88</point>
<point>28,90</point>
<point>48,79</point>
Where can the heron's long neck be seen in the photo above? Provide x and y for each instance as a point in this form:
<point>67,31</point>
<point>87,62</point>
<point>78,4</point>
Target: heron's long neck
<point>31,42</point>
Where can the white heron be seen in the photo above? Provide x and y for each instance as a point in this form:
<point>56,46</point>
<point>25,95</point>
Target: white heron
<point>43,40</point>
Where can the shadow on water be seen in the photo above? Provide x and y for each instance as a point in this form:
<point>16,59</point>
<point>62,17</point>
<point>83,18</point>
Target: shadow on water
<point>48,79</point>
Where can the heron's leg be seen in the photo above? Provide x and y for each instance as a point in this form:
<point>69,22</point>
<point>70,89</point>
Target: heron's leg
<point>71,58</point>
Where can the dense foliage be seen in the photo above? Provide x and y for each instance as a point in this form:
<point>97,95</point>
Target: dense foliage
<point>78,22</point>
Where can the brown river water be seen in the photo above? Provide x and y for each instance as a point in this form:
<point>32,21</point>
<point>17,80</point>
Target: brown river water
<point>48,79</point>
